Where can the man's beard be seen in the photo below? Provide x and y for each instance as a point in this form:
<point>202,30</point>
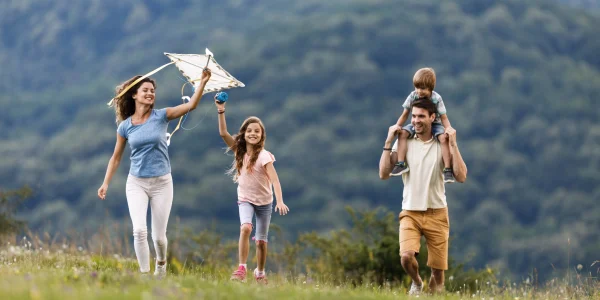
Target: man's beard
<point>424,129</point>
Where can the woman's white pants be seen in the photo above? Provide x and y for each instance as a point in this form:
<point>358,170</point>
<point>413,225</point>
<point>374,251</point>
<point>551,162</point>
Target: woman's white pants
<point>158,191</point>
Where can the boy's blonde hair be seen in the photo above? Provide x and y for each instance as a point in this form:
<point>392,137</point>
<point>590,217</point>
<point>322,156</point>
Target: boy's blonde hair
<point>424,79</point>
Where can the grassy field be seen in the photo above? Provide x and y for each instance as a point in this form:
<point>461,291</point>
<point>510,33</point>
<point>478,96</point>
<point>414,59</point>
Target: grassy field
<point>73,273</point>
<point>45,275</point>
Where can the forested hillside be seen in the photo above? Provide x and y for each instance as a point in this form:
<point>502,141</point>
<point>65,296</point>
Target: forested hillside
<point>519,79</point>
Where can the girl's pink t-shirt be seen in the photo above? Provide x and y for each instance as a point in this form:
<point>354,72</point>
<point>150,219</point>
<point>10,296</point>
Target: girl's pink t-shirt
<point>256,186</point>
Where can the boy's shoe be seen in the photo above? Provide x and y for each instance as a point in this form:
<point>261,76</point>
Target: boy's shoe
<point>448,175</point>
<point>239,274</point>
<point>262,279</point>
<point>399,169</point>
<point>415,290</point>
<point>160,271</point>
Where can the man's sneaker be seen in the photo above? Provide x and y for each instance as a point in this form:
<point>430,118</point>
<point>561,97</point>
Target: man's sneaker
<point>160,271</point>
<point>448,175</point>
<point>399,169</point>
<point>239,274</point>
<point>260,278</point>
<point>415,290</point>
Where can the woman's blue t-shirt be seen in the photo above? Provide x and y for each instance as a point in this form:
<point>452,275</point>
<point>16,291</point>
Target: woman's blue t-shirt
<point>148,143</point>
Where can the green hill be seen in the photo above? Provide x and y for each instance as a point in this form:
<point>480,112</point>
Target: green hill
<point>327,79</point>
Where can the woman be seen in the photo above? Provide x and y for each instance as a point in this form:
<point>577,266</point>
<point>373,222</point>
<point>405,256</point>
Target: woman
<point>149,179</point>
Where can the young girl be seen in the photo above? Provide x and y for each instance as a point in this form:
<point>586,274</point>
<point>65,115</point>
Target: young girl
<point>256,177</point>
<point>149,180</point>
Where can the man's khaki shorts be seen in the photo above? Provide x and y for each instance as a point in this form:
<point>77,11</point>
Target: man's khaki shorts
<point>435,226</point>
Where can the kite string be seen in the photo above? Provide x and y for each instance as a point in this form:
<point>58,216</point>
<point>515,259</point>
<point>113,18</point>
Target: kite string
<point>186,114</point>
<point>201,120</point>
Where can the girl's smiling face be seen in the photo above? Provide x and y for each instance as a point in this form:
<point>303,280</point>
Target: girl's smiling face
<point>253,134</point>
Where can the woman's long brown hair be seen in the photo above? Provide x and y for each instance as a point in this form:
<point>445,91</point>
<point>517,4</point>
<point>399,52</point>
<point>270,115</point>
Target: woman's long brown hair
<point>125,105</point>
<point>239,148</point>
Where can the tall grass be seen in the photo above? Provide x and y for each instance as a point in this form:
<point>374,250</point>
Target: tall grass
<point>360,262</point>
<point>67,271</point>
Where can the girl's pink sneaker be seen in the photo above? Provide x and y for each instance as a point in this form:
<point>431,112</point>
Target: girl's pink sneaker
<point>239,274</point>
<point>260,278</point>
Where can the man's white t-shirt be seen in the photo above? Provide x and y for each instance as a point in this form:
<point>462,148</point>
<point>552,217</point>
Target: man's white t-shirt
<point>424,182</point>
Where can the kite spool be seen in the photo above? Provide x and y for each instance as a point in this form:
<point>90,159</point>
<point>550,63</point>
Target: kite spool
<point>221,97</point>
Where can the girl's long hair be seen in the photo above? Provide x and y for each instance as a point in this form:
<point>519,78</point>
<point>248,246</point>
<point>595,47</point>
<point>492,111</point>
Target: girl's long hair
<point>239,148</point>
<point>125,105</point>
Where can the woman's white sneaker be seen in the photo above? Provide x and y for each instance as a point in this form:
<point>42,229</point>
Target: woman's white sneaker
<point>160,271</point>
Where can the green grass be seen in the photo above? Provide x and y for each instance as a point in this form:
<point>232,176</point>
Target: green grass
<point>36,275</point>
<point>75,274</point>
<point>44,274</point>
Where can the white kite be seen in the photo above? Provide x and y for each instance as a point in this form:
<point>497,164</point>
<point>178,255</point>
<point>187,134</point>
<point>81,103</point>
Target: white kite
<point>191,66</point>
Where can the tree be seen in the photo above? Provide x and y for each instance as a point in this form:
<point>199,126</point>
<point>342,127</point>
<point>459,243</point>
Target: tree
<point>9,202</point>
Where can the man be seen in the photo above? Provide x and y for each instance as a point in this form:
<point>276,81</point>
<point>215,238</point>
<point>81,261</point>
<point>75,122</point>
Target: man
<point>424,209</point>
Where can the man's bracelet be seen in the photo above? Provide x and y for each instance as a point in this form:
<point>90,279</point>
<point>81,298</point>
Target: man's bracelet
<point>221,112</point>
<point>388,149</point>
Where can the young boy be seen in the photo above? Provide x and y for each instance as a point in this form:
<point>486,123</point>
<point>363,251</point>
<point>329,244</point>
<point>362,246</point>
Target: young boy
<point>424,82</point>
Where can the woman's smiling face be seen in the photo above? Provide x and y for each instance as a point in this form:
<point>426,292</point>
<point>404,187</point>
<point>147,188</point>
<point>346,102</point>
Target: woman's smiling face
<point>145,94</point>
